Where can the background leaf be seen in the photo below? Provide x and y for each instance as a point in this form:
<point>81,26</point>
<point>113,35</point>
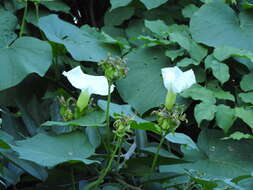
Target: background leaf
<point>216,24</point>
<point>225,117</point>
<point>245,115</point>
<point>21,59</point>
<point>204,111</point>
<point>8,24</point>
<point>50,151</point>
<point>233,156</point>
<point>246,82</point>
<point>144,81</point>
<point>82,44</point>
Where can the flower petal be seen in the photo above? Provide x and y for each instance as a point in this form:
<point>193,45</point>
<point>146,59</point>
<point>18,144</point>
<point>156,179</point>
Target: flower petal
<point>93,84</point>
<point>189,78</point>
<point>98,85</point>
<point>176,80</point>
<point>170,75</point>
<point>76,77</point>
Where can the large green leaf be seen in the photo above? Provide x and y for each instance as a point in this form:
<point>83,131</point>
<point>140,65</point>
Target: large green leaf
<point>52,150</point>
<point>8,23</point>
<point>25,56</point>
<point>143,87</point>
<point>91,119</point>
<point>83,44</point>
<point>216,24</point>
<point>223,159</point>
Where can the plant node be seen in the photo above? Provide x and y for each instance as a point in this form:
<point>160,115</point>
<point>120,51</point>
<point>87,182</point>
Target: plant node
<point>114,68</point>
<point>169,119</point>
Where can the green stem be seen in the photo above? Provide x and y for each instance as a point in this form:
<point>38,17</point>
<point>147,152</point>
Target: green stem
<point>157,153</point>
<point>37,11</point>
<point>23,21</point>
<point>36,4</point>
<point>120,152</point>
<point>108,131</point>
<point>108,106</point>
<point>73,179</point>
<point>106,170</point>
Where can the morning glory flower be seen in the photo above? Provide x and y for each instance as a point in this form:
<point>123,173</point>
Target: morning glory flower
<point>88,84</point>
<point>176,81</point>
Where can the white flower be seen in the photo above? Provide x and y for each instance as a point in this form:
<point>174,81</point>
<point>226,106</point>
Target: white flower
<point>89,83</point>
<point>176,80</point>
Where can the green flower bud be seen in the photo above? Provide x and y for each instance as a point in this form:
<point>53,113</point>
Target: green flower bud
<point>83,100</point>
<point>114,68</point>
<point>122,126</point>
<point>170,99</point>
<point>169,119</point>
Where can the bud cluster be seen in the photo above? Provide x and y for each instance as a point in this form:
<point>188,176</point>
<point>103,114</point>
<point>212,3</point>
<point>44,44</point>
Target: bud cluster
<point>66,109</point>
<point>114,68</point>
<point>169,119</point>
<point>122,126</point>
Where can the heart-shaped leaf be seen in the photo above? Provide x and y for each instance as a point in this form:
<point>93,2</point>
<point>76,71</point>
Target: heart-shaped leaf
<point>83,44</point>
<point>52,150</point>
<point>216,24</point>
<point>234,157</point>
<point>143,87</point>
<point>25,56</point>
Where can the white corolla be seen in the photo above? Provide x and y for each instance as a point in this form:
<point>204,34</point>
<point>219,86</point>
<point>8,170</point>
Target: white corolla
<point>88,84</point>
<point>175,81</point>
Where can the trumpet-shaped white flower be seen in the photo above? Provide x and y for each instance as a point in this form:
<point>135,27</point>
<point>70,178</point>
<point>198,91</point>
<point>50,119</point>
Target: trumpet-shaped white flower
<point>90,83</point>
<point>176,80</point>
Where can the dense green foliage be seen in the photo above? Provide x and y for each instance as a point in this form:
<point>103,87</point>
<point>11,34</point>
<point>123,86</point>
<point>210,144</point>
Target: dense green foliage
<point>48,140</point>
